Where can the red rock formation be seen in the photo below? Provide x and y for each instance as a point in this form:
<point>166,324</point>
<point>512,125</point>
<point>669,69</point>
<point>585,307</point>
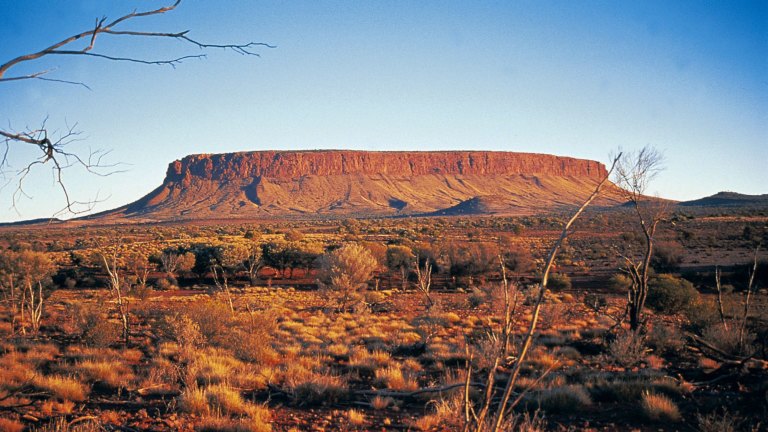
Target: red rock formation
<point>293,164</point>
<point>348,183</point>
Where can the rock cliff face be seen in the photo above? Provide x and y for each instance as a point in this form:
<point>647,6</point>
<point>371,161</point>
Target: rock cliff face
<point>341,183</point>
<point>293,164</point>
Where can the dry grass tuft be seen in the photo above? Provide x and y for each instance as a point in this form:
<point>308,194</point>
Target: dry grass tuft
<point>714,422</point>
<point>63,388</point>
<point>111,372</point>
<point>224,424</point>
<point>225,399</point>
<point>394,378</point>
<point>9,425</point>
<point>381,403</point>
<point>658,407</point>
<point>194,401</point>
<point>355,417</point>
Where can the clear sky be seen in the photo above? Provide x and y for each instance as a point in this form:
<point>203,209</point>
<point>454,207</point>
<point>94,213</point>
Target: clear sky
<point>562,77</point>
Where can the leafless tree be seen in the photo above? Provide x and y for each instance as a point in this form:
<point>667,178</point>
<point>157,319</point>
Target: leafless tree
<point>24,277</point>
<point>112,265</point>
<point>634,171</point>
<point>424,279</point>
<point>53,147</point>
<point>491,416</point>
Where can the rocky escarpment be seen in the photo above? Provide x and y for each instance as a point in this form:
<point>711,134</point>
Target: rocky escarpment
<point>358,183</point>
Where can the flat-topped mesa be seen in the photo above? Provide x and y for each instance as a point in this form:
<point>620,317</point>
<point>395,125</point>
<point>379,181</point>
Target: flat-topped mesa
<point>295,164</point>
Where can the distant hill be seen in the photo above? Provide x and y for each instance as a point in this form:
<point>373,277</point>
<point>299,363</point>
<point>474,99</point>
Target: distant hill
<point>343,183</point>
<point>729,199</point>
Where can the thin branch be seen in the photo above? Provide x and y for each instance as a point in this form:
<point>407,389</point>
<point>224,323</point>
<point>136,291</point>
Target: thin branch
<point>527,341</point>
<point>53,151</point>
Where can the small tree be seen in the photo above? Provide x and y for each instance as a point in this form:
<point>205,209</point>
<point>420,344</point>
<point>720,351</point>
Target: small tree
<point>346,272</point>
<point>138,266</point>
<point>23,277</point>
<point>226,260</point>
<point>400,258</point>
<point>112,265</point>
<point>253,262</point>
<point>174,260</point>
<point>634,171</point>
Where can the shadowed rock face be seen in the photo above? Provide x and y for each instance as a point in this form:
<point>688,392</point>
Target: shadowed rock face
<point>341,183</point>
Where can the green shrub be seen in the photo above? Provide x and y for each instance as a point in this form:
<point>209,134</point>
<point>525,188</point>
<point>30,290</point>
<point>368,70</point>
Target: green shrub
<point>702,313</point>
<point>669,294</point>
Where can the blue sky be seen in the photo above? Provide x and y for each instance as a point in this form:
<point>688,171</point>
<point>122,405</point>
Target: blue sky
<point>569,78</point>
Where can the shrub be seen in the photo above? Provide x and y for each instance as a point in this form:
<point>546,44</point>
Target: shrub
<point>559,282</point>
<point>702,314</point>
<point>669,294</point>
<point>164,284</point>
<point>727,339</point>
<point>714,422</point>
<point>665,338</point>
<point>627,349</point>
<point>476,298</point>
<point>667,257</point>
<point>185,331</point>
<point>567,399</point>
<point>225,424</point>
<point>103,334</point>
<point>214,319</point>
<point>619,283</point>
<point>345,273</point>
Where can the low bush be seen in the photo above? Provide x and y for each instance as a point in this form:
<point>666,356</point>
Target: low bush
<point>558,282</point>
<point>702,313</point>
<point>669,294</point>
<point>665,339</point>
<point>566,399</point>
<point>628,349</point>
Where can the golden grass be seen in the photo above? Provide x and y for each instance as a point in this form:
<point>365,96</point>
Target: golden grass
<point>355,417</point>
<point>111,372</point>
<point>381,403</point>
<point>224,424</point>
<point>223,398</point>
<point>658,407</point>
<point>194,401</point>
<point>9,425</point>
<point>394,378</point>
<point>64,388</point>
<point>212,366</point>
<point>51,407</point>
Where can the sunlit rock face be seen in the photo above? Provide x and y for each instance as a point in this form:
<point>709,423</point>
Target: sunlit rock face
<point>343,183</point>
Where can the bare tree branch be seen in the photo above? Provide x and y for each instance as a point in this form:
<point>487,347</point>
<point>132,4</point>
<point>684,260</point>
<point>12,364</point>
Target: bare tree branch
<point>52,148</point>
<point>634,171</point>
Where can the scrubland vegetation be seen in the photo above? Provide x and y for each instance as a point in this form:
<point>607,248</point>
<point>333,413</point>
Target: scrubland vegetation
<point>391,324</point>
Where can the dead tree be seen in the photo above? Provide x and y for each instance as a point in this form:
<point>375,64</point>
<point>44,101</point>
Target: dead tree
<point>424,279</point>
<point>117,286</point>
<point>633,173</point>
<point>53,147</point>
<point>485,418</point>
